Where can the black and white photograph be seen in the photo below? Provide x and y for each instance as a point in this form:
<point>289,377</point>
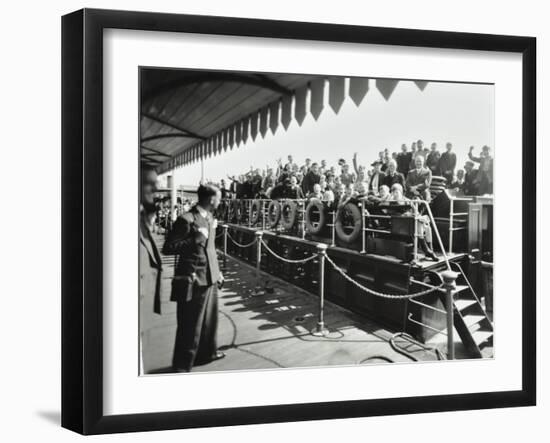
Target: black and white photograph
<point>275,222</point>
<point>295,221</point>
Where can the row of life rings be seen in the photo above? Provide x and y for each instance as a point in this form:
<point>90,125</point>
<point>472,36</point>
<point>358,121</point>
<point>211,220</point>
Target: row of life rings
<point>348,220</point>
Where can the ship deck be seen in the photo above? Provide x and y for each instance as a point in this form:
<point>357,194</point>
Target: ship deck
<point>271,328</point>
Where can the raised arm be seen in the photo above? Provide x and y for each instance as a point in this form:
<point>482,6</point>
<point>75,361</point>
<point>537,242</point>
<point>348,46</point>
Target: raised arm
<point>179,236</point>
<point>355,163</point>
<point>471,156</point>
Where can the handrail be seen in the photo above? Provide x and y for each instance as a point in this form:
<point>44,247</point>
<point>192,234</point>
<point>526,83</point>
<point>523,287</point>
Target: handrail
<point>437,331</point>
<point>432,221</point>
<point>364,213</point>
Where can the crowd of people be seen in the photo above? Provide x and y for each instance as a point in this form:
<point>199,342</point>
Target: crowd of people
<point>411,169</point>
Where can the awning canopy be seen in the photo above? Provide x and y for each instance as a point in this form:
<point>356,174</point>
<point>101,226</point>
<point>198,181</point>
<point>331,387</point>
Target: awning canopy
<point>187,115</point>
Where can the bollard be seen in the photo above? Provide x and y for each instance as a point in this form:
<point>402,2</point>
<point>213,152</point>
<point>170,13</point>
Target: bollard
<point>320,330</point>
<point>225,245</point>
<point>449,283</point>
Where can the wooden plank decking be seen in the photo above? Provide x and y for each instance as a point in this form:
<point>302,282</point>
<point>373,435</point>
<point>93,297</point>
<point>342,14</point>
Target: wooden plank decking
<point>271,328</point>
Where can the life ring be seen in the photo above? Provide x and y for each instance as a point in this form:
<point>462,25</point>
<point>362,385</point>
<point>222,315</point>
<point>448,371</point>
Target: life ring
<point>273,213</point>
<point>353,211</point>
<point>315,227</point>
<point>289,211</point>
<point>254,215</point>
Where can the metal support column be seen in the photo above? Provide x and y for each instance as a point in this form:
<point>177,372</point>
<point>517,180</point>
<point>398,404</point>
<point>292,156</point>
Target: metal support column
<point>415,242</point>
<point>225,227</point>
<point>320,330</point>
<point>451,223</point>
<point>363,231</point>
<point>258,287</point>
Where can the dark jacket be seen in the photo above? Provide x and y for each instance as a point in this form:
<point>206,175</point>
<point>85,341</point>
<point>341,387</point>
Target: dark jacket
<point>432,162</point>
<point>293,192</point>
<point>422,180</point>
<point>471,182</point>
<point>310,179</point>
<point>390,180</point>
<point>403,162</point>
<point>447,163</point>
<point>197,260</point>
<point>381,176</point>
<point>150,272</point>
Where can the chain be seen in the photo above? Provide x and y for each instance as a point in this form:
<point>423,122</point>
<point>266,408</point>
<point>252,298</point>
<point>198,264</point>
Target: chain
<point>304,260</point>
<point>239,244</point>
<point>379,294</point>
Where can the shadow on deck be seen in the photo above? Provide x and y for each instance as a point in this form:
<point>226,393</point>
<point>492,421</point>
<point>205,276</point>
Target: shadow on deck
<point>270,328</point>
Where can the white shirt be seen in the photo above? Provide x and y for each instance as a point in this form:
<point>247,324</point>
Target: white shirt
<point>374,183</point>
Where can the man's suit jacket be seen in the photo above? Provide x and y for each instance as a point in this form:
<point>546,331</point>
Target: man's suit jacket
<point>197,261</point>
<point>381,176</point>
<point>150,272</point>
<point>422,180</point>
<point>403,162</point>
<point>309,180</point>
<point>432,161</point>
<point>390,180</point>
<point>447,163</point>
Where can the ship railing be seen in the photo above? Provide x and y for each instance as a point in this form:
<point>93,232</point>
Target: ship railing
<point>448,286</point>
<point>415,205</point>
<point>452,215</point>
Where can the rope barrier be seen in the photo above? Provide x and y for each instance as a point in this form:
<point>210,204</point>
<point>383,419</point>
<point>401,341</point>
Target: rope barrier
<point>379,294</point>
<point>287,260</point>
<point>240,245</point>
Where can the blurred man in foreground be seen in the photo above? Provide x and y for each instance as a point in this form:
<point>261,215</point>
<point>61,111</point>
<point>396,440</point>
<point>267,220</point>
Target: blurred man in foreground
<point>150,263</point>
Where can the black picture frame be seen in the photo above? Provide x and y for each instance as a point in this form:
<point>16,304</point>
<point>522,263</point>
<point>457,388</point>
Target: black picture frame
<point>82,218</point>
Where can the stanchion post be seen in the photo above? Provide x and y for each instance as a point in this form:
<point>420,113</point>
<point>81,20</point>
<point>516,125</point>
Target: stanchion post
<point>363,231</point>
<point>332,229</point>
<point>225,227</point>
<point>263,214</point>
<point>258,235</point>
<point>320,330</point>
<point>451,225</point>
<point>303,205</point>
<point>415,242</point>
<point>449,283</point>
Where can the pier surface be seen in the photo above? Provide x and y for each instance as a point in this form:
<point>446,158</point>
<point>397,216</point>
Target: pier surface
<point>270,327</point>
